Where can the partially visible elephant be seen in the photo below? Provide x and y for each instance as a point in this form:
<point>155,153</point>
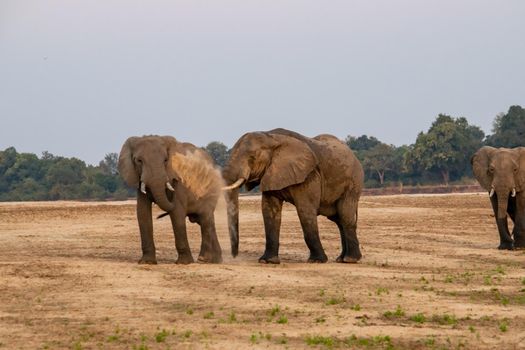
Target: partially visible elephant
<point>182,180</point>
<point>320,176</point>
<point>501,172</point>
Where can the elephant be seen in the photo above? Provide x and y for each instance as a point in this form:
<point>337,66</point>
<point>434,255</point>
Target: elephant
<point>183,181</point>
<point>501,172</point>
<point>319,176</point>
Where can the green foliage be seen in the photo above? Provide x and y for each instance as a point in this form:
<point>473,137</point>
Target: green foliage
<point>399,312</point>
<point>26,177</point>
<point>446,148</point>
<point>361,143</point>
<point>418,318</point>
<point>508,129</point>
<point>218,151</point>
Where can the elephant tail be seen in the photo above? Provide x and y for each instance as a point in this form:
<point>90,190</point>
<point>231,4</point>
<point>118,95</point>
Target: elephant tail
<point>162,215</point>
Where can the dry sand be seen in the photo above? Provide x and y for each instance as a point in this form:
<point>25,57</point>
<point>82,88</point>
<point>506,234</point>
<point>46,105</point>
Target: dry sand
<point>430,278</point>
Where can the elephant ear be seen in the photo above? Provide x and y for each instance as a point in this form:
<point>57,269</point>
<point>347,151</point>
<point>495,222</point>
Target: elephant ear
<point>521,168</point>
<point>291,163</point>
<point>480,166</point>
<point>173,147</point>
<point>126,166</point>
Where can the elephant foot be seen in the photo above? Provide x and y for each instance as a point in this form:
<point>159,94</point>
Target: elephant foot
<point>506,246</point>
<point>352,258</point>
<point>317,259</point>
<point>210,259</point>
<point>148,260</point>
<point>347,259</point>
<point>269,259</point>
<point>519,245</point>
<point>184,259</point>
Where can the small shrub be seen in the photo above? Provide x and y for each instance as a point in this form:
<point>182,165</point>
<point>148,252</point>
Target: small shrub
<point>418,318</point>
<point>503,326</point>
<point>356,307</point>
<point>275,310</point>
<point>335,301</point>
<point>208,315</point>
<point>399,312</point>
<point>282,320</point>
<point>161,336</point>
<point>319,340</point>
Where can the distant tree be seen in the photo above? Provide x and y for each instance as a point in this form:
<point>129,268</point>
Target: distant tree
<point>109,165</point>
<point>27,165</point>
<point>218,151</point>
<point>380,159</point>
<point>446,147</point>
<point>508,129</point>
<point>66,171</point>
<point>361,143</point>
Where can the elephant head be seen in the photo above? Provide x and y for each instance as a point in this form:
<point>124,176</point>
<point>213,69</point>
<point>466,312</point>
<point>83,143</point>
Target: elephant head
<point>500,171</point>
<point>272,160</point>
<point>144,164</point>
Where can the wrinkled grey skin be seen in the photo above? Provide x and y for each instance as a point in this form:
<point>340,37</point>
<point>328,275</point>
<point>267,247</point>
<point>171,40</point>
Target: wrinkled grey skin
<point>320,176</point>
<point>147,160</point>
<point>501,172</point>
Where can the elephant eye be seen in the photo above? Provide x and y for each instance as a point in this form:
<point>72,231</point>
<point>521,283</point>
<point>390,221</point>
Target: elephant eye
<point>491,169</point>
<point>515,170</point>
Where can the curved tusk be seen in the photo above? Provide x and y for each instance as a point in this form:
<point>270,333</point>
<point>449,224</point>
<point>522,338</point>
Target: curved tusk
<point>233,186</point>
<point>491,192</point>
<point>513,194</point>
<point>143,187</point>
<point>170,187</point>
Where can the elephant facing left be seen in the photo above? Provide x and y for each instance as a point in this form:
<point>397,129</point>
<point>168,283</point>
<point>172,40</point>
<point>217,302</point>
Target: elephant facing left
<point>183,181</point>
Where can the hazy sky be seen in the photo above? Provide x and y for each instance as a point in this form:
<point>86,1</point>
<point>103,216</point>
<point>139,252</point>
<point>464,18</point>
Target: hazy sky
<point>78,77</point>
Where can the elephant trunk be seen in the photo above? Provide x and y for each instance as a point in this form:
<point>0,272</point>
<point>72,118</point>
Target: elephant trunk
<point>232,200</point>
<point>158,190</point>
<point>503,200</point>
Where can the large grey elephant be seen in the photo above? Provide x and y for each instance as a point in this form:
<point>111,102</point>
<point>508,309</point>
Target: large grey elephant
<point>320,176</point>
<point>501,172</point>
<point>182,180</point>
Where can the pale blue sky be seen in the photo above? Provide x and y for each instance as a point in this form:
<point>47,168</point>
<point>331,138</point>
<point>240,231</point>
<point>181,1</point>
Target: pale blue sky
<point>78,77</point>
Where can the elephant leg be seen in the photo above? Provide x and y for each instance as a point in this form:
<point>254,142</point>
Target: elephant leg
<point>519,222</point>
<point>308,218</point>
<point>271,210</point>
<point>347,215</point>
<point>210,248</point>
<point>506,241</point>
<point>511,211</point>
<point>178,222</point>
<point>146,229</point>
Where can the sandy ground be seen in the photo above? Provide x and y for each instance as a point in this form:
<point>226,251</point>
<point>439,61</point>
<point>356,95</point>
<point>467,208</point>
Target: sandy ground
<point>431,278</point>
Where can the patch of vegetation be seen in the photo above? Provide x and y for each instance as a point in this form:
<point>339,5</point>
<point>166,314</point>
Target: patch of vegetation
<point>335,300</point>
<point>356,307</point>
<point>232,318</point>
<point>384,342</point>
<point>208,315</point>
<point>274,310</point>
<point>445,319</point>
<point>418,318</point>
<point>449,279</point>
<point>397,313</point>
<point>314,340</point>
<point>161,336</point>
<point>504,326</point>
<point>382,290</point>
<point>320,320</point>
<point>282,320</point>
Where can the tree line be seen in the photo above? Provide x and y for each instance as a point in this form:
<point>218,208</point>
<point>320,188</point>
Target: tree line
<point>439,156</point>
